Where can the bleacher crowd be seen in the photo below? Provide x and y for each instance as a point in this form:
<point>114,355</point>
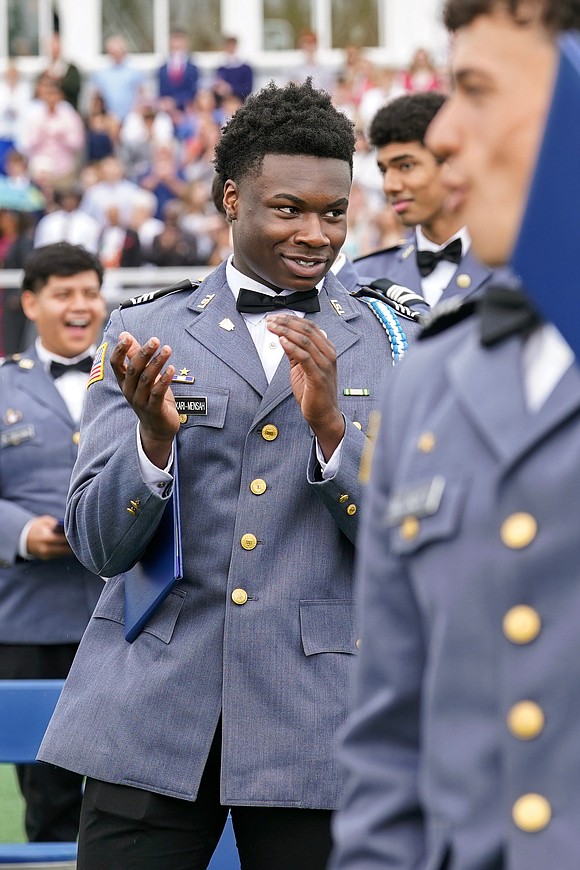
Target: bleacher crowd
<point>121,161</point>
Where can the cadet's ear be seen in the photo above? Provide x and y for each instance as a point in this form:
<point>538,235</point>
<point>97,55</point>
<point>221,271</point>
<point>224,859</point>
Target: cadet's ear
<point>29,302</point>
<point>231,197</point>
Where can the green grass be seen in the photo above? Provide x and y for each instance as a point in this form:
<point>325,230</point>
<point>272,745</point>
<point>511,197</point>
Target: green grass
<point>11,807</point>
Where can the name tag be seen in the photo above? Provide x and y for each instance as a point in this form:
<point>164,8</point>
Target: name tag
<point>16,436</point>
<point>196,406</point>
<point>422,500</point>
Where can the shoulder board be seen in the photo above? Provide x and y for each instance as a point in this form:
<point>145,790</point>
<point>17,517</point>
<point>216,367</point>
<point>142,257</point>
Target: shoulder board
<point>395,247</point>
<point>402,300</point>
<point>446,314</point>
<point>17,359</point>
<point>186,284</point>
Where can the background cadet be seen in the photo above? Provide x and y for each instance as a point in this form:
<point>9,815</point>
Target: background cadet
<point>462,748</point>
<point>232,694</point>
<point>46,595</point>
<point>436,260</point>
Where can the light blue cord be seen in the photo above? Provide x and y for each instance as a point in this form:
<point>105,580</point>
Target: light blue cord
<point>392,326</point>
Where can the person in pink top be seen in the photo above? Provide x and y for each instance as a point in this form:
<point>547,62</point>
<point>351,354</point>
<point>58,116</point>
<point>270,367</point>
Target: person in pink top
<point>53,137</point>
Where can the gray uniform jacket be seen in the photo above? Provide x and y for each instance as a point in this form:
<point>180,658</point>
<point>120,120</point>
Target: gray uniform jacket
<point>275,667</point>
<point>399,264</point>
<point>41,601</point>
<point>464,734</point>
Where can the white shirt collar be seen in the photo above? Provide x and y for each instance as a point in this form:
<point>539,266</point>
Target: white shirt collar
<point>237,280</point>
<point>425,244</point>
<point>46,357</point>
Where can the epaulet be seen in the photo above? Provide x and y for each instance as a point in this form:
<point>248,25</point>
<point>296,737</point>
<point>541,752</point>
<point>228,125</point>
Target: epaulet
<point>446,314</point>
<point>401,243</point>
<point>400,298</point>
<point>186,284</point>
<point>22,361</point>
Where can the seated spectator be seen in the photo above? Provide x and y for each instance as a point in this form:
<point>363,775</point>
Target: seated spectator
<point>17,191</point>
<point>119,83</point>
<point>177,78</point>
<point>66,75</point>
<point>421,74</point>
<point>53,137</point>
<point>119,245</point>
<point>102,130</point>
<point>310,65</point>
<point>173,246</point>
<point>144,129</point>
<point>143,219</point>
<point>15,97</point>
<point>386,87</point>
<point>233,75</point>
<point>199,152</point>
<point>67,223</point>
<point>198,217</point>
<point>164,177</point>
<point>112,189</point>
<point>16,234</point>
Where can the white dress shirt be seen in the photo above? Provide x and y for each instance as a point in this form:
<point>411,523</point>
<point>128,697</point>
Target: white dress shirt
<point>433,285</point>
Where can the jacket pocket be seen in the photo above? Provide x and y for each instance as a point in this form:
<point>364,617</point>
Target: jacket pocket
<point>328,626</point>
<point>111,606</point>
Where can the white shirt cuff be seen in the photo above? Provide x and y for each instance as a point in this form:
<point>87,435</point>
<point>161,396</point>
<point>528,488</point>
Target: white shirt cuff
<point>156,478</point>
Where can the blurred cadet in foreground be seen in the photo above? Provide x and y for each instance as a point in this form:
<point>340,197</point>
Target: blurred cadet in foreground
<point>462,748</point>
<point>46,595</point>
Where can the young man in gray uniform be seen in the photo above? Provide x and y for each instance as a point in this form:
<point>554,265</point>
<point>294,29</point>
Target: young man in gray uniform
<point>436,260</point>
<point>46,595</point>
<point>462,749</point>
<point>232,694</point>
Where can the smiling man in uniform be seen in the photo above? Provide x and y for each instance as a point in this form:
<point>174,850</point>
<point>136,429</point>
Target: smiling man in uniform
<point>231,696</point>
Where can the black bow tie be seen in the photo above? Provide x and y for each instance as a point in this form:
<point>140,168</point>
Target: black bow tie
<point>505,312</point>
<point>250,302</point>
<point>427,260</point>
<point>83,365</point>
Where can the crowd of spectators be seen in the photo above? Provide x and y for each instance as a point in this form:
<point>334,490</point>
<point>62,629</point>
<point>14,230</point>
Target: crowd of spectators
<point>123,161</point>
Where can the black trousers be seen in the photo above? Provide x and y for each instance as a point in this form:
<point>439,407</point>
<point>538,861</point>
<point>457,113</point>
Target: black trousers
<point>52,796</point>
<point>125,828</point>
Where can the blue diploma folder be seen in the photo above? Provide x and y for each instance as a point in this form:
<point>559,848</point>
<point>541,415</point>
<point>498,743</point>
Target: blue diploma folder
<point>149,582</point>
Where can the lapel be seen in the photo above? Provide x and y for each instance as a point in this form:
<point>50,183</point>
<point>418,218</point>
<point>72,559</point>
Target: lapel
<point>40,385</point>
<point>477,272</point>
<point>405,270</point>
<point>339,328</point>
<point>489,385</point>
<point>234,347</point>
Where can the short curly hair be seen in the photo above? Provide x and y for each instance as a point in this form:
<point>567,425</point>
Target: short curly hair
<point>59,259</point>
<point>555,15</point>
<point>405,119</point>
<point>296,119</point>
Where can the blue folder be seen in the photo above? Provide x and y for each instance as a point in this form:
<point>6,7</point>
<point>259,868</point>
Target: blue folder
<point>545,255</point>
<point>149,582</point>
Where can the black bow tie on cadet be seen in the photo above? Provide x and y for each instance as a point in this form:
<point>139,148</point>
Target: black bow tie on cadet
<point>505,312</point>
<point>83,365</point>
<point>427,260</point>
<point>251,302</point>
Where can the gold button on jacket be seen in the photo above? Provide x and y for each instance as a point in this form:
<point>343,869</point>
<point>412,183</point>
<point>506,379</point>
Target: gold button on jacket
<point>269,432</point>
<point>426,442</point>
<point>522,624</point>
<point>531,812</point>
<point>526,720</point>
<point>258,486</point>
<point>518,530</point>
<point>239,596</point>
<point>248,541</point>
